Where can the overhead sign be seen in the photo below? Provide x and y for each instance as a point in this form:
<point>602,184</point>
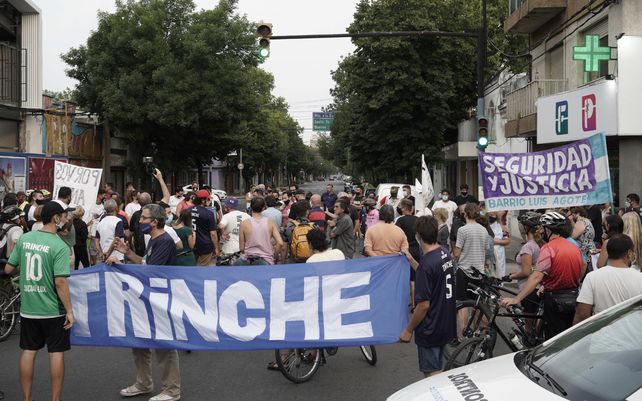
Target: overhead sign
<point>572,175</point>
<point>577,114</point>
<point>343,303</point>
<point>322,121</point>
<point>83,181</point>
<point>629,80</point>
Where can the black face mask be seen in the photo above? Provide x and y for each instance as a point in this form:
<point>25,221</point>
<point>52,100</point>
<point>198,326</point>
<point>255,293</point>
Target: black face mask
<point>287,201</point>
<point>399,211</point>
<point>492,219</point>
<point>40,201</point>
<point>546,236</point>
<point>464,193</point>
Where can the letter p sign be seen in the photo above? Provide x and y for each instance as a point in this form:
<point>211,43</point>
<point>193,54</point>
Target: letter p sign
<point>561,118</point>
<point>589,113</point>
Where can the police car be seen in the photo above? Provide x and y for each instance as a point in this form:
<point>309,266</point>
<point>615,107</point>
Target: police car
<point>599,359</point>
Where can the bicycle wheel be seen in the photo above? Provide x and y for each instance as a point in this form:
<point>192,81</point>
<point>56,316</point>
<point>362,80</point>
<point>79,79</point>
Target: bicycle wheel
<point>8,317</point>
<point>370,353</point>
<point>298,365</point>
<point>469,351</point>
<point>477,323</point>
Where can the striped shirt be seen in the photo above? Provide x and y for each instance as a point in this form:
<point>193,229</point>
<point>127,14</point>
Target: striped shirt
<point>473,240</point>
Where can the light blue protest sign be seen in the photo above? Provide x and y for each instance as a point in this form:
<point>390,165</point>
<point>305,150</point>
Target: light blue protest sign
<point>576,174</point>
<point>342,303</point>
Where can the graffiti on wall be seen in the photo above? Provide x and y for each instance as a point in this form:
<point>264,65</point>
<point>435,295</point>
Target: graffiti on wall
<point>65,136</point>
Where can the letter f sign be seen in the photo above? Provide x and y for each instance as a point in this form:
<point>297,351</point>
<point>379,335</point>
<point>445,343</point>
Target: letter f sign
<point>561,118</point>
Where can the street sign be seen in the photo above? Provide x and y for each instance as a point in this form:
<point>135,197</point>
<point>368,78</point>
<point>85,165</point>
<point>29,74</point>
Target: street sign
<point>322,121</point>
<point>591,53</point>
<point>241,166</point>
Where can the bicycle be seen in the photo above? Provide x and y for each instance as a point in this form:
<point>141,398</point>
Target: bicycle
<point>480,336</point>
<point>9,308</point>
<point>299,365</point>
<point>227,259</point>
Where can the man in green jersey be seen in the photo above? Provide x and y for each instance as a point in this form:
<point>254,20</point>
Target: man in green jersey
<point>45,307</point>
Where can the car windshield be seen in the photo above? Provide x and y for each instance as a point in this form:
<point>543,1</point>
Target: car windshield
<point>599,361</point>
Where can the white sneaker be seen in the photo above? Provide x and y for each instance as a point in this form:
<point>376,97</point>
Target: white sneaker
<point>133,390</point>
<point>165,397</point>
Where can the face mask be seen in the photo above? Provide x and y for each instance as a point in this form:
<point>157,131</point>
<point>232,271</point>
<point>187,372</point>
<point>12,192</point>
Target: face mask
<point>405,193</point>
<point>545,235</point>
<point>464,193</point>
<point>492,219</point>
<point>444,197</point>
<point>287,201</point>
<point>627,204</point>
<point>145,228</point>
<point>399,211</point>
<point>169,220</point>
<point>40,201</point>
<point>60,225</point>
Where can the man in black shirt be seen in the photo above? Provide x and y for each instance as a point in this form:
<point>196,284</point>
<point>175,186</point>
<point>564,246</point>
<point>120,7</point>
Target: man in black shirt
<point>464,197</point>
<point>407,223</point>
<point>161,251</point>
<point>434,320</point>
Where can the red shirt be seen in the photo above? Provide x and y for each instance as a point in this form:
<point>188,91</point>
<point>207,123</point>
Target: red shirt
<point>561,263</point>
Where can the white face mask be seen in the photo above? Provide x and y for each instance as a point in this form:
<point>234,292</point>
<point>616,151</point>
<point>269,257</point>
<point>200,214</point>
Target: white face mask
<point>169,219</point>
<point>627,204</point>
<point>444,197</point>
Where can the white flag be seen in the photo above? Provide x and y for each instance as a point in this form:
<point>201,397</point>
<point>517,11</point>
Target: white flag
<point>427,190</point>
<point>419,200</point>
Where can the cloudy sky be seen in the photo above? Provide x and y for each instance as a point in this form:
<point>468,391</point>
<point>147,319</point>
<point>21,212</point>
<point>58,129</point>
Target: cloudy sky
<point>301,67</point>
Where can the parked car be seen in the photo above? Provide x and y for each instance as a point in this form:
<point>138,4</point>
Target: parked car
<point>599,359</point>
<point>383,191</point>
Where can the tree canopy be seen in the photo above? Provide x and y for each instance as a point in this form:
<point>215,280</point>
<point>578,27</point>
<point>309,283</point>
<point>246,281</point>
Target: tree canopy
<point>396,98</point>
<point>186,81</point>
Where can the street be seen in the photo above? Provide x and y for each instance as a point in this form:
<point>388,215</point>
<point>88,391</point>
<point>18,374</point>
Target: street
<point>225,375</point>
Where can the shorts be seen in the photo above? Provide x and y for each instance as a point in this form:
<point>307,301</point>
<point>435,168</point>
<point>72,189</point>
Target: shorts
<point>461,286</point>
<point>431,359</point>
<point>35,333</point>
<point>93,251</point>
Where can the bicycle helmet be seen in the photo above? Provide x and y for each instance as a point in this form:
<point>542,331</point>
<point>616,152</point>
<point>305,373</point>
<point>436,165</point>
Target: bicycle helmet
<point>12,212</point>
<point>553,220</point>
<point>530,219</point>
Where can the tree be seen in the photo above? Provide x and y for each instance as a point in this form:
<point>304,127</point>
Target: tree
<point>166,75</point>
<point>396,97</point>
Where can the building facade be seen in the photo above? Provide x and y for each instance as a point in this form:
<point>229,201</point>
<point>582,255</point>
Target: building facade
<point>583,79</point>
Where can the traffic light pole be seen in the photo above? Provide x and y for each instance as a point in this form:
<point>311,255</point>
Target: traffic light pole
<point>482,39</point>
<point>389,34</point>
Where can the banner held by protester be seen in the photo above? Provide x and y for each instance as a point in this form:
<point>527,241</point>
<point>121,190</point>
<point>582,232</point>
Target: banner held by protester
<point>576,174</point>
<point>342,303</point>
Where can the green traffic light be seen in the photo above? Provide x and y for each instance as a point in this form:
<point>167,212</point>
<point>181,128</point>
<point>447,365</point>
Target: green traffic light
<point>264,52</point>
<point>482,142</point>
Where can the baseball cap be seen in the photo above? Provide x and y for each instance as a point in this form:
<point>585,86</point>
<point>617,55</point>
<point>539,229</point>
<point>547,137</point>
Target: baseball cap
<point>232,203</point>
<point>201,193</point>
<point>51,209</point>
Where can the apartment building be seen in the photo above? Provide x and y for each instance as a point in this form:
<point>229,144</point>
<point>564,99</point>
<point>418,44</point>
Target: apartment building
<point>583,79</point>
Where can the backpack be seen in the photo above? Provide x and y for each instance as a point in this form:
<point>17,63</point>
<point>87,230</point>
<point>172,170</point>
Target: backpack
<point>299,245</point>
<point>4,240</point>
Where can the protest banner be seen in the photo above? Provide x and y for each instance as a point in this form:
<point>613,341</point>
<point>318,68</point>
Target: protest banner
<point>342,303</point>
<point>83,181</point>
<point>576,174</point>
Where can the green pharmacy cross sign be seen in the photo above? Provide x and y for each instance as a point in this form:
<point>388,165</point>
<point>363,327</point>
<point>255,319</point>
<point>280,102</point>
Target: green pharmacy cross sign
<point>591,53</point>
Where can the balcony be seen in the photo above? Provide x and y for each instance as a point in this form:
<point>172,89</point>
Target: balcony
<point>526,16</point>
<point>521,111</point>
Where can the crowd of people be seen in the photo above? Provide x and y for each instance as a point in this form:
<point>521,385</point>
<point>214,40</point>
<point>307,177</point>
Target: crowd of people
<point>562,251</point>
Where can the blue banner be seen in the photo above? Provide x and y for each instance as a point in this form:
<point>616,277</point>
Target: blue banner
<point>342,303</point>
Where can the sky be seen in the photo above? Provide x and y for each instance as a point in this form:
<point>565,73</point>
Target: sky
<point>301,68</point>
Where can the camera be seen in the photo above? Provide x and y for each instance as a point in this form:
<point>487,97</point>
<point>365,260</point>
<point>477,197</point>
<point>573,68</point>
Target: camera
<point>150,167</point>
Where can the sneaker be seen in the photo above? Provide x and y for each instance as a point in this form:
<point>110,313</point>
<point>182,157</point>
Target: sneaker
<point>133,390</point>
<point>165,397</point>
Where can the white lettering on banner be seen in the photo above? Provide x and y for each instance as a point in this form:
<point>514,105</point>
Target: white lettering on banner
<point>172,302</point>
<point>204,320</point>
<point>306,310</point>
<point>334,307</point>
<point>79,291</point>
<point>159,302</point>
<point>117,296</point>
<point>245,292</point>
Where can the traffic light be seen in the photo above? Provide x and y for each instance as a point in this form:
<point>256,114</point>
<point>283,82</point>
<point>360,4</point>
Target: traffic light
<point>482,133</point>
<point>264,32</point>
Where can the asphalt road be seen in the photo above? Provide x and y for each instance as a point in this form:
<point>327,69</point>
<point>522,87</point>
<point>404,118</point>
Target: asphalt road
<point>99,373</point>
